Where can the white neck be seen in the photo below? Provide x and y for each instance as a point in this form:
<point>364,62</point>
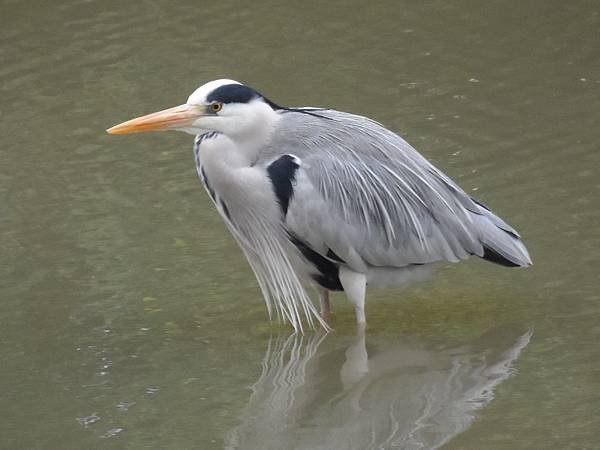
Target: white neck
<point>252,129</point>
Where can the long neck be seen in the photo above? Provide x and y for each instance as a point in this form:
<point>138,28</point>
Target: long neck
<point>226,159</point>
<point>250,135</point>
<point>226,164</point>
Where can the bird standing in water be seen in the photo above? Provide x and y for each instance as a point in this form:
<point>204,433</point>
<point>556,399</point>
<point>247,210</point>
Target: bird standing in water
<point>315,194</point>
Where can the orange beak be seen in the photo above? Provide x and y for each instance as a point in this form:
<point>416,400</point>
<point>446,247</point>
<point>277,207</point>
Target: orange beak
<point>177,117</point>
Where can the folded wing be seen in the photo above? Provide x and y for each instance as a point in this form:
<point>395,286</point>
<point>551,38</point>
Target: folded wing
<point>365,195</point>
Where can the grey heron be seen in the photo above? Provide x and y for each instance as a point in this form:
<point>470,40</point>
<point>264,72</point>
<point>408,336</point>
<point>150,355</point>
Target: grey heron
<point>328,197</point>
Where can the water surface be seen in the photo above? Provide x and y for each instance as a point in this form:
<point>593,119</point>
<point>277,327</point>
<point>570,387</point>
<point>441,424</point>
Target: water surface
<point>129,316</point>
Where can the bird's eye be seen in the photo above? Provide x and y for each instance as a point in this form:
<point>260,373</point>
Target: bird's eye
<point>216,107</point>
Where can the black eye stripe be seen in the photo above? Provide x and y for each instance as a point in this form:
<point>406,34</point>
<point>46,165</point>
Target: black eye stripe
<point>238,93</point>
<point>233,93</point>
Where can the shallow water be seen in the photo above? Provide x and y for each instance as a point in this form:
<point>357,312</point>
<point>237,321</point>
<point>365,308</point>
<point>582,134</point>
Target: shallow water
<point>129,316</point>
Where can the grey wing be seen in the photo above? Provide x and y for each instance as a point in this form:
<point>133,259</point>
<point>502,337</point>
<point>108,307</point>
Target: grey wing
<point>366,195</point>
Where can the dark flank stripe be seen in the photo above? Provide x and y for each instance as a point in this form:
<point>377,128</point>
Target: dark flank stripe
<point>328,271</point>
<point>282,174</point>
<point>332,255</point>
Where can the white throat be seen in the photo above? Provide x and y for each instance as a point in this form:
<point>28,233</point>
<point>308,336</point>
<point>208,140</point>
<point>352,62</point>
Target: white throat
<point>248,127</point>
<point>252,139</point>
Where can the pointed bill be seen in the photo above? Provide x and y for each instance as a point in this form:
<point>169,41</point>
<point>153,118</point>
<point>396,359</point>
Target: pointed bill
<point>177,117</point>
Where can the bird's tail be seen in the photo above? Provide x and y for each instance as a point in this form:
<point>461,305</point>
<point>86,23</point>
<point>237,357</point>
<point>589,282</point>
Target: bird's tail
<point>501,243</point>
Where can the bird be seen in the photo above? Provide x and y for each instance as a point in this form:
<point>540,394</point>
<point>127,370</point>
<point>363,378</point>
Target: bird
<point>316,196</point>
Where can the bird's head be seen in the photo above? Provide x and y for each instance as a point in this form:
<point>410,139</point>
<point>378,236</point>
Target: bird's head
<point>224,106</point>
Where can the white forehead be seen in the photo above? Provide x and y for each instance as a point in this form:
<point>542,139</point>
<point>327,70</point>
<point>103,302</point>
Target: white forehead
<point>199,95</point>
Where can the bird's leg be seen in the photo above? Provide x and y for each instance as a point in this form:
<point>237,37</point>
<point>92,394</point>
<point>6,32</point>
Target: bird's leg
<point>325,305</point>
<point>357,359</point>
<point>355,286</point>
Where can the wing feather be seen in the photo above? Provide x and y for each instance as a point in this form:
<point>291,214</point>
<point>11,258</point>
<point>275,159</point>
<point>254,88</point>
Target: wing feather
<point>366,194</point>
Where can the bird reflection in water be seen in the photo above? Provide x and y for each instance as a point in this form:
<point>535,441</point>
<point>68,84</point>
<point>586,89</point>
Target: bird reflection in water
<point>326,392</point>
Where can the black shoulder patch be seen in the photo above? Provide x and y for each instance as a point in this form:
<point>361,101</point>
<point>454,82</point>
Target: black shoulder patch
<point>233,93</point>
<point>282,173</point>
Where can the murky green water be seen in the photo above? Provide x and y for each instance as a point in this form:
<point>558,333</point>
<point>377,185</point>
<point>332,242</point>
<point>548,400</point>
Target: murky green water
<point>129,318</point>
